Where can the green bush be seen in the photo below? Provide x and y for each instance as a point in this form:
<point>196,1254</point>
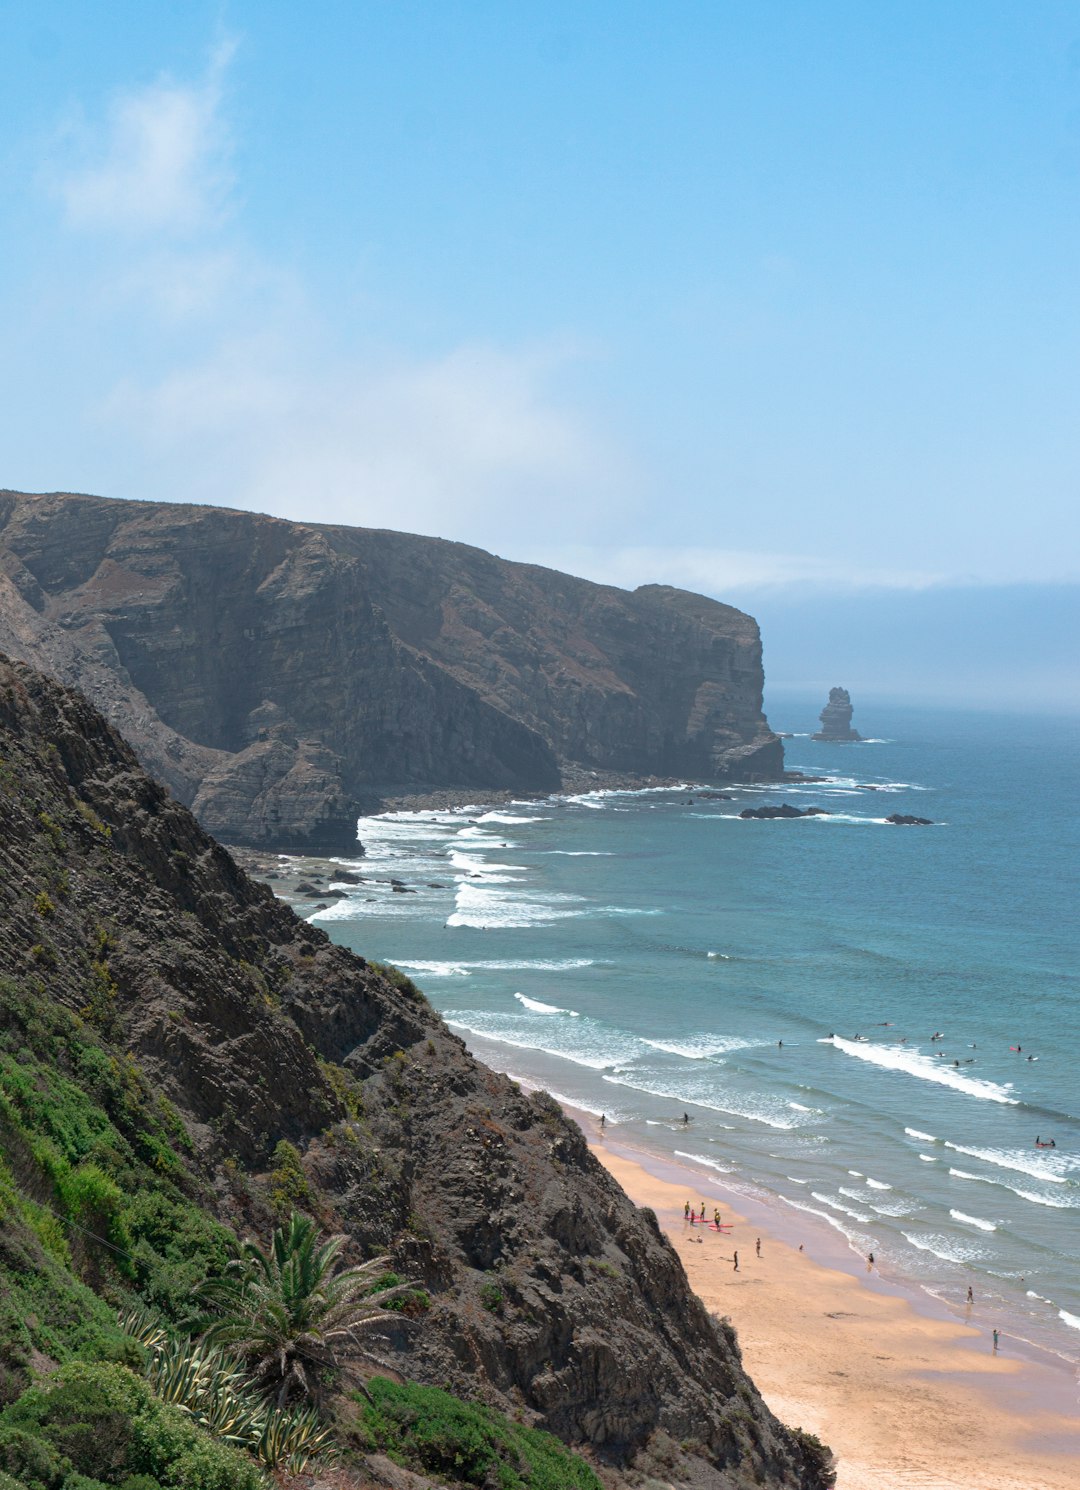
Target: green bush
<point>103,1424</point>
<point>465,1443</point>
<point>25,1457</point>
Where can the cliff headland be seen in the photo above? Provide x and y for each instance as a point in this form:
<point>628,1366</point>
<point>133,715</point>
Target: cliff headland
<point>182,1060</point>
<point>281,677</point>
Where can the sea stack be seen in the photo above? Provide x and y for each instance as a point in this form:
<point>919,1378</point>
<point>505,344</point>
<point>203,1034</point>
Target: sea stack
<point>836,718</point>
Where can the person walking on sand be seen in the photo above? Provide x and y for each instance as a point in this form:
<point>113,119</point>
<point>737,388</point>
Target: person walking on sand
<point>869,1261</point>
<point>971,1296</point>
<point>736,1268</point>
<point>995,1342</point>
<point>686,1211</point>
<point>757,1246</point>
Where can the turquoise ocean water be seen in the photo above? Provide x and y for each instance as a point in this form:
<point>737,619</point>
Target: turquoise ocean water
<point>642,955</point>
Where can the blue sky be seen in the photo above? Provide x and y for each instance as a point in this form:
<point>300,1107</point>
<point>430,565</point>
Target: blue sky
<point>773,300</point>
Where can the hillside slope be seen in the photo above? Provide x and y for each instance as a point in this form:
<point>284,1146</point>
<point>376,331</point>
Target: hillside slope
<point>144,978</point>
<point>280,675</point>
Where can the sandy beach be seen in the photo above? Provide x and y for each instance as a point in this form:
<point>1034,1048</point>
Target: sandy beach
<point>904,1399</point>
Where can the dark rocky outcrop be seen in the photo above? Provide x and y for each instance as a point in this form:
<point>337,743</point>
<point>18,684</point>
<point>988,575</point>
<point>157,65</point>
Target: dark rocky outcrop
<point>552,1296</point>
<point>836,718</point>
<point>784,810</point>
<point>279,675</point>
<point>906,820</point>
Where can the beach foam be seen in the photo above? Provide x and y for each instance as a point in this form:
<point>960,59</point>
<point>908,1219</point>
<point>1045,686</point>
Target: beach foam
<point>923,1067</point>
<point>973,1221</point>
<point>540,1008</point>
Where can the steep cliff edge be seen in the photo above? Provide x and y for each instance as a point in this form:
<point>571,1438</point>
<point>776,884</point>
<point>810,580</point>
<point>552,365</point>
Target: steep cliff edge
<point>277,675</point>
<point>552,1296</point>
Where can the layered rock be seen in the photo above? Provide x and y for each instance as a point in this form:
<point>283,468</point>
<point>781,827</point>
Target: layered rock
<point>836,718</point>
<point>552,1296</point>
<point>279,676</point>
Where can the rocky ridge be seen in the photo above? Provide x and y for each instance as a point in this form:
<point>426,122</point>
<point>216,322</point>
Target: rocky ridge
<point>552,1296</point>
<point>281,676</point>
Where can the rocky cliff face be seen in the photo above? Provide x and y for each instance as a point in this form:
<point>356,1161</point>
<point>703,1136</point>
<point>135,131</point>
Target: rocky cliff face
<point>277,675</point>
<point>552,1296</point>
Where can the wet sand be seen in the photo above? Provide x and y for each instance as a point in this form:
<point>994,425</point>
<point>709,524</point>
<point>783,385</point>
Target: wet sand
<point>906,1400</point>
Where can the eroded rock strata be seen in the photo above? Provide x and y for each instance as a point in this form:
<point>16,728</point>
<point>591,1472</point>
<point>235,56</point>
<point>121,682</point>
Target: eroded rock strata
<point>552,1296</point>
<point>280,675</point>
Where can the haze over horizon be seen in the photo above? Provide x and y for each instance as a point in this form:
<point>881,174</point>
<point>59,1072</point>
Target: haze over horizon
<point>774,303</point>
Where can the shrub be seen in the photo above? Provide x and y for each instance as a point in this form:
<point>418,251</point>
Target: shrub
<point>466,1443</point>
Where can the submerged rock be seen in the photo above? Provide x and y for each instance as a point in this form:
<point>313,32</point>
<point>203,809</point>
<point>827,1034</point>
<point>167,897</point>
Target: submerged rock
<point>784,810</point>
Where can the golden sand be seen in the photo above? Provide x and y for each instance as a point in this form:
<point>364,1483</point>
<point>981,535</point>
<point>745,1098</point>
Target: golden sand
<point>906,1401</point>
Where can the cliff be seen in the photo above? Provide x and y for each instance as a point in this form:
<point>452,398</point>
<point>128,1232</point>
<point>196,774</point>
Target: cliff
<point>169,1030</point>
<point>280,676</point>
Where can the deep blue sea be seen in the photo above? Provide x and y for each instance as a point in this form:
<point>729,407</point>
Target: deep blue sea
<point>645,954</point>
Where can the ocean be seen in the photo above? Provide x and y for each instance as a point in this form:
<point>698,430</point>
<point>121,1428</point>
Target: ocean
<point>649,954</point>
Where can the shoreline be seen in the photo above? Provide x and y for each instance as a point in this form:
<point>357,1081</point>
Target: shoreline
<point>904,1393</point>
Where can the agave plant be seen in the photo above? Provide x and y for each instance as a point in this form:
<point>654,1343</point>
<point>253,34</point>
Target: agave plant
<point>291,1311</point>
<point>211,1386</point>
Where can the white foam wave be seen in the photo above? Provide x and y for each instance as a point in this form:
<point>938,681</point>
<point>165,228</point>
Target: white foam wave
<point>540,1008</point>
<point>477,1027</point>
<point>845,1210</point>
<point>1057,1203</point>
<point>926,1137</point>
<point>1039,1169</point>
<point>718,956</point>
<point>435,969</point>
<point>947,1248</point>
<point>748,1111</point>
<point>709,1163</point>
<point>812,1210</point>
<point>700,1048</point>
<point>1070,1319</point>
<point>511,819</point>
<point>484,908</point>
<point>794,1181</point>
<point>928,1158</point>
<point>542,964</point>
<point>877,1184</point>
<point>925,1068</point>
<point>581,853</point>
<point>973,1221</point>
<point>798,1106</point>
<point>897,1208</point>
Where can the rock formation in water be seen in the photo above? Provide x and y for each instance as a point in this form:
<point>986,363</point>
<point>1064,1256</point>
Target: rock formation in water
<point>278,676</point>
<point>785,810</point>
<point>200,1053</point>
<point>836,718</point>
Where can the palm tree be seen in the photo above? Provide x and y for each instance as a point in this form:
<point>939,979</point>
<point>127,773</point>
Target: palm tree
<point>291,1311</point>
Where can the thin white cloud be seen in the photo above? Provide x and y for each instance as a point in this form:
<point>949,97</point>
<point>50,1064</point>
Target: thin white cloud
<point>722,572</point>
<point>160,161</point>
<point>472,444</point>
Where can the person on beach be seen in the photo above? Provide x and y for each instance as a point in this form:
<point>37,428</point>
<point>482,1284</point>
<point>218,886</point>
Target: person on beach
<point>716,1217</point>
<point>869,1261</point>
<point>995,1342</point>
<point>685,1119</point>
<point>971,1296</point>
<point>736,1268</point>
<point>686,1211</point>
<point>603,1121</point>
<point>757,1246</point>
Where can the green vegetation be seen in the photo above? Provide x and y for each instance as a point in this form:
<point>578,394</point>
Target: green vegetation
<point>103,1423</point>
<point>435,1433</point>
<point>287,1312</point>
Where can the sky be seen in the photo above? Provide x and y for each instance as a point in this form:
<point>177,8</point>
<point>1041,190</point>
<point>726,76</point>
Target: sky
<point>773,300</point>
